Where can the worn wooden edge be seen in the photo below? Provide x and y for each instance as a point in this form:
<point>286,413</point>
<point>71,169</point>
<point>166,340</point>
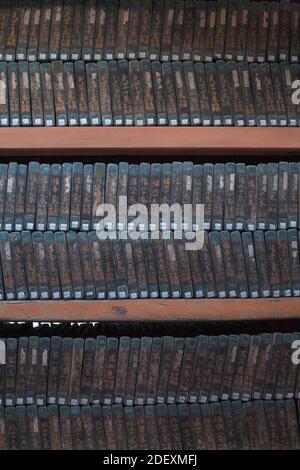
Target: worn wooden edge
<point>152,310</point>
<point>89,141</point>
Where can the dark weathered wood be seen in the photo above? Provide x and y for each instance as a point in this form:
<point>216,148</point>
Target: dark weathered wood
<point>88,141</point>
<point>152,310</point>
<point>150,141</point>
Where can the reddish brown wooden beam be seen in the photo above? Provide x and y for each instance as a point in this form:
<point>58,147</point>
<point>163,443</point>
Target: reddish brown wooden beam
<point>90,141</point>
<point>152,310</point>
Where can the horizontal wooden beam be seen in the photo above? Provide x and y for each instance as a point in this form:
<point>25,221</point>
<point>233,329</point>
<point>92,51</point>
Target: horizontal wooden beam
<point>152,310</point>
<point>91,141</point>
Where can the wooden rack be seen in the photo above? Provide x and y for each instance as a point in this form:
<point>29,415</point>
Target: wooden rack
<point>151,310</point>
<point>79,142</point>
<point>172,141</point>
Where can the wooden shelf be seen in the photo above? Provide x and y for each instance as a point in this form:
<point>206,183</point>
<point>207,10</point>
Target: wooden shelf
<point>152,310</point>
<point>77,142</point>
<point>90,141</point>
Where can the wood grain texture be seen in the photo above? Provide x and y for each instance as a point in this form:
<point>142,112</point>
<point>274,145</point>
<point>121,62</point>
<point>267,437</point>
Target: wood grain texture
<point>88,141</point>
<point>152,310</point>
